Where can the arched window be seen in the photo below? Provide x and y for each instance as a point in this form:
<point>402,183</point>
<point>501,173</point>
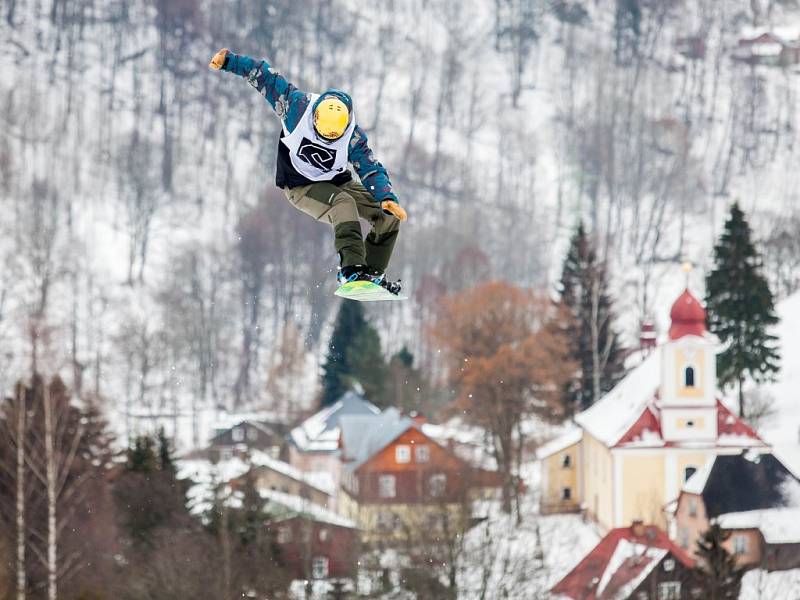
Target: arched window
<point>688,472</point>
<point>688,377</point>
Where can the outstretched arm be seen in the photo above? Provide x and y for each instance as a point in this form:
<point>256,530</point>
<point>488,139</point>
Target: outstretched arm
<point>269,83</point>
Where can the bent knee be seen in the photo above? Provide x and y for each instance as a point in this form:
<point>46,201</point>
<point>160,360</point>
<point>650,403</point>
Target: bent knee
<point>343,209</point>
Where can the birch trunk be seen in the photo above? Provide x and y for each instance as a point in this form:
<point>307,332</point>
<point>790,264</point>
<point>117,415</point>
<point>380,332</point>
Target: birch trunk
<point>50,474</point>
<point>21,575</point>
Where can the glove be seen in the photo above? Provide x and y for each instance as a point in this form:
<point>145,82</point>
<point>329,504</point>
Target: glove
<point>390,207</point>
<point>219,60</point>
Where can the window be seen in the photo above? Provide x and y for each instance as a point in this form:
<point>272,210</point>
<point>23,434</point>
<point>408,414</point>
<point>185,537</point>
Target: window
<point>688,472</point>
<point>438,485</point>
<point>385,520</point>
<point>566,462</point>
<point>252,434</point>
<point>669,565</point>
<point>402,454</point>
<point>422,453</point>
<point>225,454</point>
<point>324,535</point>
<point>386,486</point>
<point>689,423</point>
<point>284,534</point>
<point>566,493</point>
<point>669,590</point>
<point>319,567</point>
<point>238,434</point>
<point>692,507</point>
<point>683,538</point>
<point>688,377</point>
<point>740,544</point>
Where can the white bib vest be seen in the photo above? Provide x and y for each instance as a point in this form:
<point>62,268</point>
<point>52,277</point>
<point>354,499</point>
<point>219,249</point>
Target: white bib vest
<point>313,157</point>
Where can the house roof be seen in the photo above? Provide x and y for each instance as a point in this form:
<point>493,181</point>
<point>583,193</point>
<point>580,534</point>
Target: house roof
<point>562,442</point>
<point>320,432</point>
<point>288,506</point>
<point>777,525</point>
<point>619,563</point>
<point>611,417</point>
<point>362,436</point>
<point>319,480</point>
<point>743,482</point>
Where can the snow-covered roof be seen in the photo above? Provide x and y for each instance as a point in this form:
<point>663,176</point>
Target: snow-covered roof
<point>321,480</point>
<point>758,584</point>
<point>562,442</point>
<point>777,525</point>
<point>630,564</point>
<point>320,432</point>
<point>786,33</point>
<point>610,417</point>
<point>365,435</point>
<point>287,506</point>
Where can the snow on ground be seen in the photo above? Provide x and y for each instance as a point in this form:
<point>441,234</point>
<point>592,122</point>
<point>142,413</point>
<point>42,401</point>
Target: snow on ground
<point>521,561</point>
<point>779,585</point>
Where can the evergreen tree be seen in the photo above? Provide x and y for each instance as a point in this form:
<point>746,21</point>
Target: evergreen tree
<point>354,357</point>
<point>717,574</point>
<point>740,308</point>
<point>147,493</point>
<point>594,345</point>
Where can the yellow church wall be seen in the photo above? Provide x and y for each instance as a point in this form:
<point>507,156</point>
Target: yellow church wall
<point>598,484</point>
<point>643,488</point>
<point>559,474</point>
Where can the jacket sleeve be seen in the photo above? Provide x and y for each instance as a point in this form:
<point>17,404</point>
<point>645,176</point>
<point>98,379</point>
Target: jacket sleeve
<point>280,94</point>
<point>372,173</point>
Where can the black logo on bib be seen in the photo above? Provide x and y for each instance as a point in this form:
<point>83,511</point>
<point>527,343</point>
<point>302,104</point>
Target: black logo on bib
<point>318,156</point>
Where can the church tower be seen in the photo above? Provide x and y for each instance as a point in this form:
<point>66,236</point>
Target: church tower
<point>687,396</point>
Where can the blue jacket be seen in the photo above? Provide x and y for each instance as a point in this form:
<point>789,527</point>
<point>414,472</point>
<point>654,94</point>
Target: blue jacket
<point>290,105</point>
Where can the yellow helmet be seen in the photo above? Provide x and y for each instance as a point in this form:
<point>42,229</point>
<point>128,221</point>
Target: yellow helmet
<point>331,118</point>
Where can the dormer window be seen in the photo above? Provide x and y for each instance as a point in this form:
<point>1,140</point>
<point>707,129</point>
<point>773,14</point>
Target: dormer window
<point>688,377</point>
<point>237,434</point>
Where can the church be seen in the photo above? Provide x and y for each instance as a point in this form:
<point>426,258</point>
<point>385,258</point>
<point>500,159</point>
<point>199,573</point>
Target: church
<point>629,454</point>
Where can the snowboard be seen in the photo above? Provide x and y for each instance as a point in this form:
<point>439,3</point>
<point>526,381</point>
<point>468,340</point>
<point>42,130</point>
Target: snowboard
<point>366,291</point>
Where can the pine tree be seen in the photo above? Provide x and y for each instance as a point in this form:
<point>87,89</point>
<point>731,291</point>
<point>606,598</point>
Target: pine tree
<point>594,345</point>
<point>354,356</point>
<point>740,308</point>
<point>717,574</point>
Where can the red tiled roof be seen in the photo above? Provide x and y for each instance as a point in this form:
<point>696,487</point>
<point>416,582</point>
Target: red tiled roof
<point>730,424</point>
<point>581,582</point>
<point>647,421</point>
<point>688,317</point>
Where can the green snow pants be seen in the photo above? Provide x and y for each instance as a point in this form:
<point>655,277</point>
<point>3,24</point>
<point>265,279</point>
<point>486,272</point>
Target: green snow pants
<point>341,206</point>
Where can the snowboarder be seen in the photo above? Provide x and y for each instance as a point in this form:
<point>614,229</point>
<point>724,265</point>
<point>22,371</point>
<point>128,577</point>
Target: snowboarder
<point>318,140</point>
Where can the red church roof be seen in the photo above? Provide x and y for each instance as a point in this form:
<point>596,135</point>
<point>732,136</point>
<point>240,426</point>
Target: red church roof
<point>688,317</point>
<point>625,555</point>
<point>646,429</point>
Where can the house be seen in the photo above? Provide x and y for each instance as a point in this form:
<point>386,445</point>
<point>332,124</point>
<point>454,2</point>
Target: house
<point>314,444</point>
<point>640,442</point>
<point>756,498</point>
<point>775,47</point>
<point>638,562</point>
<point>314,542</point>
<point>275,475</point>
<point>396,480</point>
<point>243,438</point>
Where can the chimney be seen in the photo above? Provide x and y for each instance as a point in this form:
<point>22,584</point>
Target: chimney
<point>637,528</point>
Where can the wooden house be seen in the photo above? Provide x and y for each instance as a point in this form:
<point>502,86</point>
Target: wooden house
<point>630,563</point>
<point>754,497</point>
<point>314,542</point>
<point>778,47</point>
<point>397,479</point>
